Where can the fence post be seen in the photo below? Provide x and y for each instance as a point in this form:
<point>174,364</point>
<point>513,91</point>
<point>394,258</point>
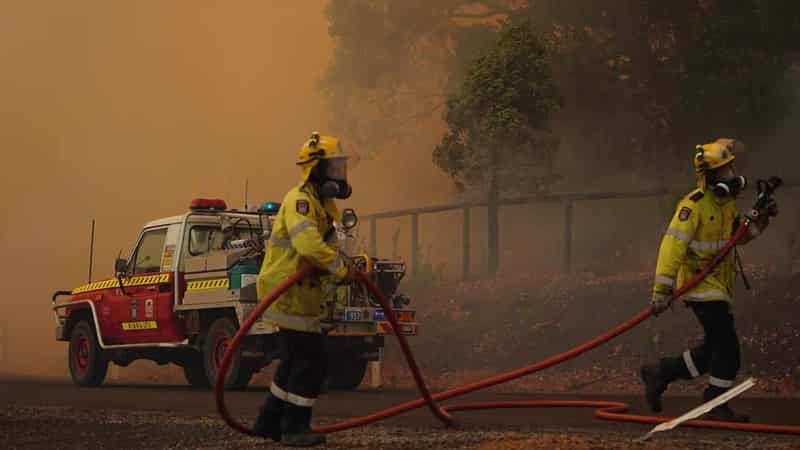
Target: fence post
<point>373,237</point>
<point>567,256</point>
<point>465,248</point>
<point>414,243</point>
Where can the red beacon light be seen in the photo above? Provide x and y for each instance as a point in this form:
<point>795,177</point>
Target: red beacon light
<point>213,204</point>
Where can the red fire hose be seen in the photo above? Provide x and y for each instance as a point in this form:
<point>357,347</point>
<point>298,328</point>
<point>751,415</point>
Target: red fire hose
<point>607,410</point>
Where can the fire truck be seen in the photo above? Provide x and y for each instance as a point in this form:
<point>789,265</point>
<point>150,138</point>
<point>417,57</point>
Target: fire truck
<point>189,282</point>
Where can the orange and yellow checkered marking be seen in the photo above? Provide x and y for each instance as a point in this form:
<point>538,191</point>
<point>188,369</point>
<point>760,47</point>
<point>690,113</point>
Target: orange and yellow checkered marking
<point>205,285</point>
<point>112,283</point>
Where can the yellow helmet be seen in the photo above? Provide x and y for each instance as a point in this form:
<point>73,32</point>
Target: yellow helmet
<point>318,148</point>
<point>714,155</point>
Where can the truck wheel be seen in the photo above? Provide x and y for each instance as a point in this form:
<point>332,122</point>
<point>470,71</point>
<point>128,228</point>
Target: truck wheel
<point>86,364</point>
<point>346,374</point>
<point>195,371</point>
<point>215,344</point>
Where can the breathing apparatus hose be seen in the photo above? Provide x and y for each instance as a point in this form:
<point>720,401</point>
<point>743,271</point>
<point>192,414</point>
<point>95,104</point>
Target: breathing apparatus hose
<point>608,410</point>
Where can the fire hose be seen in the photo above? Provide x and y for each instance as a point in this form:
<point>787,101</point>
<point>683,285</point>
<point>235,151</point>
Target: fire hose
<point>608,410</point>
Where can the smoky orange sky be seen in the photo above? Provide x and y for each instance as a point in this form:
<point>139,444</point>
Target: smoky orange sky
<point>124,111</point>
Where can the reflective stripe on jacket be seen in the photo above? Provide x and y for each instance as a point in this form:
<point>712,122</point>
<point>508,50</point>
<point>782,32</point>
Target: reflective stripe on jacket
<point>297,240</point>
<point>700,228</point>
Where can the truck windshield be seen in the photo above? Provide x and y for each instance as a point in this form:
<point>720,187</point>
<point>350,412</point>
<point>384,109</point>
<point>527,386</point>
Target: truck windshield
<point>148,254</point>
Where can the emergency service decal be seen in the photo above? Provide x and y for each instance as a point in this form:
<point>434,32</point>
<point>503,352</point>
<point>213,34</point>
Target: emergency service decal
<point>302,207</point>
<point>148,308</point>
<point>684,214</point>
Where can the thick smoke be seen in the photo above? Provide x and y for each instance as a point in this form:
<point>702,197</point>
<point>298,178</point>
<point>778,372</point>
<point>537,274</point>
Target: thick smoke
<point>125,111</point>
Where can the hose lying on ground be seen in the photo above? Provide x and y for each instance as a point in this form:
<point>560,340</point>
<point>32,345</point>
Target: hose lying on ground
<point>607,410</point>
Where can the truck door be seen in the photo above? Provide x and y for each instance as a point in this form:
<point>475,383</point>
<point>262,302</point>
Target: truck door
<point>148,314</point>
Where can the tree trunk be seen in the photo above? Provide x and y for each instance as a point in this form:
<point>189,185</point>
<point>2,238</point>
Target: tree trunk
<point>493,227</point>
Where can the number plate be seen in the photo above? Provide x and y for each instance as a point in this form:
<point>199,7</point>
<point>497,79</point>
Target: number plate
<point>353,316</point>
<point>146,325</point>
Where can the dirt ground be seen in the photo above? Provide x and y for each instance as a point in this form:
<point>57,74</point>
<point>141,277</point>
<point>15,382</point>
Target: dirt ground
<point>68,428</point>
<point>54,414</point>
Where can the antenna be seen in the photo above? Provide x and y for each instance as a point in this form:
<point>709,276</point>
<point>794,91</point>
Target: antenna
<point>91,252</point>
<point>245,194</point>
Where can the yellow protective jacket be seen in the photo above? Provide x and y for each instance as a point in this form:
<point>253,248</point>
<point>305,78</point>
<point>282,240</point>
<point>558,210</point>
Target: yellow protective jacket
<point>700,228</point>
<point>298,240</point>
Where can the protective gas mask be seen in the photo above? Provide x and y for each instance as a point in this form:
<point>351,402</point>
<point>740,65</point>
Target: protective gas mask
<point>333,178</point>
<point>725,186</point>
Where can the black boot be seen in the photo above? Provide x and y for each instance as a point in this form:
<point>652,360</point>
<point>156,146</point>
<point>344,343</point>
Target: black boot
<point>296,427</point>
<point>268,422</point>
<point>657,377</point>
<point>723,412</point>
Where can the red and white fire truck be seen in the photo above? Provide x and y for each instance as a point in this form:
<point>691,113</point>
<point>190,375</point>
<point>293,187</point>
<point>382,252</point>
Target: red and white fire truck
<point>188,284</point>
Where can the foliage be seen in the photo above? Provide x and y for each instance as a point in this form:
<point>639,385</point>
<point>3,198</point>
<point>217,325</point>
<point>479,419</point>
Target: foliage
<point>737,60</point>
<point>659,77</point>
<point>499,120</point>
<point>393,61</point>
<point>642,80</point>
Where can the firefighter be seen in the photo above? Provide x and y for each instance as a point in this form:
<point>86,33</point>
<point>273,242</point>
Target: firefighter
<point>703,222</point>
<point>303,234</point>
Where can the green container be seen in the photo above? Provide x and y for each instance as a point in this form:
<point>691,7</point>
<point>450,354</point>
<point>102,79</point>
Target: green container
<point>242,275</point>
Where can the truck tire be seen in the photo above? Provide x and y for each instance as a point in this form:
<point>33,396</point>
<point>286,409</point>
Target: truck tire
<point>195,371</point>
<point>346,374</point>
<point>86,363</point>
<point>215,344</point>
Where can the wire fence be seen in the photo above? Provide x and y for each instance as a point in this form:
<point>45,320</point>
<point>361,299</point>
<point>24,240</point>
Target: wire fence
<point>570,217</point>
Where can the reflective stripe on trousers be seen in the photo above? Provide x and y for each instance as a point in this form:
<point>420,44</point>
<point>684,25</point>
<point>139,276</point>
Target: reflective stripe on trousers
<point>719,382</point>
<point>687,359</point>
<point>294,399</point>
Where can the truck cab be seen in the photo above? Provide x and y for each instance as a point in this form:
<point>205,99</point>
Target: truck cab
<point>188,284</point>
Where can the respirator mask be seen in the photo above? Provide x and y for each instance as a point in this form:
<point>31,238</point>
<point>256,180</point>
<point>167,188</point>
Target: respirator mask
<point>726,186</point>
<point>332,174</point>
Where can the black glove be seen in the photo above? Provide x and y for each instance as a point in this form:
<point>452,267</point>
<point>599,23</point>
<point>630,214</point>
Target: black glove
<point>770,209</point>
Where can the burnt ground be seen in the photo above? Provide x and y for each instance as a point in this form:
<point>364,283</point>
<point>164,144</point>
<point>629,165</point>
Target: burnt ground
<point>483,327</point>
<point>54,414</point>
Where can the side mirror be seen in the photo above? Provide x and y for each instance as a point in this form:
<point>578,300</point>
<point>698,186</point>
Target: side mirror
<point>121,266</point>
<point>349,219</point>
